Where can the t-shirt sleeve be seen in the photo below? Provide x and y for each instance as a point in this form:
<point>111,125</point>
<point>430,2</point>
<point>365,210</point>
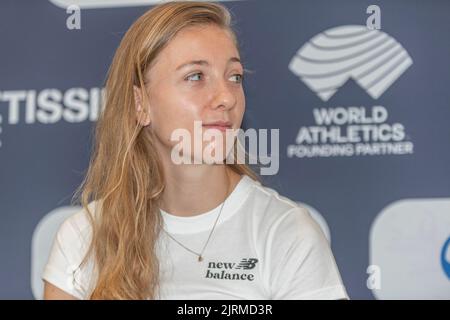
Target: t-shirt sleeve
<point>67,252</point>
<point>301,261</point>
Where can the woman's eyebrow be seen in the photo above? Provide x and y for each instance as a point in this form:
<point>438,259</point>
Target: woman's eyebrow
<point>204,63</point>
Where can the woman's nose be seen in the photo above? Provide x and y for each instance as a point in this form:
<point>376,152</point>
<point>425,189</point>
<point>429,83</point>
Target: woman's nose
<point>224,96</point>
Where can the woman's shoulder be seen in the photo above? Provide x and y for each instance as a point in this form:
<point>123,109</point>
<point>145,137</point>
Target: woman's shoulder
<point>76,228</point>
<point>273,202</point>
<point>65,267</point>
<point>276,212</point>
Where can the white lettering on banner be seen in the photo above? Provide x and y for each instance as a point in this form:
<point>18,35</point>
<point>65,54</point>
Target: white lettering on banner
<point>49,106</point>
<point>351,131</point>
<point>340,115</point>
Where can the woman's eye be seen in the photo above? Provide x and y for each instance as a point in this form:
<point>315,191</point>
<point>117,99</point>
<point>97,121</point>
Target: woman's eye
<point>198,74</point>
<point>240,79</point>
<point>192,75</point>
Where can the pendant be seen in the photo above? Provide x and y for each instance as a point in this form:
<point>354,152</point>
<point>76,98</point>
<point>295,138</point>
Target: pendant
<point>200,259</point>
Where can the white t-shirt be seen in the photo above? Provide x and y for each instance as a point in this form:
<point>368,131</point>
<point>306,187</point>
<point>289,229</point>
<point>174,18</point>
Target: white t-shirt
<point>264,246</point>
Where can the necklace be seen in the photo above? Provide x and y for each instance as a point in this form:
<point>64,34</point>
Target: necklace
<point>200,255</point>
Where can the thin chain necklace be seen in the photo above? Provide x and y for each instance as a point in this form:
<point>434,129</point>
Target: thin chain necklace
<point>200,255</point>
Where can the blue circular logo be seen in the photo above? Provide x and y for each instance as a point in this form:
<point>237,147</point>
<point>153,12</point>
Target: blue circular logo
<point>444,262</point>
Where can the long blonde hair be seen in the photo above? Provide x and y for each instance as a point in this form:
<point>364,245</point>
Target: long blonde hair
<point>125,172</point>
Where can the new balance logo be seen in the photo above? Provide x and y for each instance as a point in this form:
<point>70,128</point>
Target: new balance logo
<point>371,57</point>
<point>224,274</point>
<point>247,263</point>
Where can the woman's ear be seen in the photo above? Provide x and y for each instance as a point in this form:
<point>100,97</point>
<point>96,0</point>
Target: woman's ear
<point>142,114</point>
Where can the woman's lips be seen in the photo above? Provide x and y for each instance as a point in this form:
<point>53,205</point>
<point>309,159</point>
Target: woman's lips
<point>221,125</point>
<point>218,127</point>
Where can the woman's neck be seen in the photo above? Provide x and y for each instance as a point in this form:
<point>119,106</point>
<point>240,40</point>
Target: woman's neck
<point>194,189</point>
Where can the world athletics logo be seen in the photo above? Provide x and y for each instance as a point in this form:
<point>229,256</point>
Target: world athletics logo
<point>370,57</point>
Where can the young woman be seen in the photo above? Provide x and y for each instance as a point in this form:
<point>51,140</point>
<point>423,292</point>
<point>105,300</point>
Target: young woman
<point>151,228</point>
